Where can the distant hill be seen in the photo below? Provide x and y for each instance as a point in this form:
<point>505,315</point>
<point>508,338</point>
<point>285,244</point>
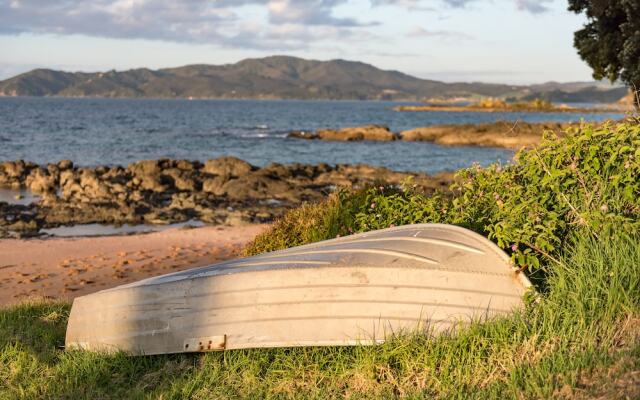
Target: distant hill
<point>276,77</point>
<point>576,92</point>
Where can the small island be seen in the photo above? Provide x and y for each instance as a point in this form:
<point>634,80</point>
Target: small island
<point>512,135</point>
<point>498,105</point>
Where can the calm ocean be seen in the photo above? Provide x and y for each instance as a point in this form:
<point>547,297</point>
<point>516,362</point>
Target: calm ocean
<point>118,131</point>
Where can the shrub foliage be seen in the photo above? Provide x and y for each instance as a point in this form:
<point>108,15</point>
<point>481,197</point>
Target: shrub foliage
<point>589,180</point>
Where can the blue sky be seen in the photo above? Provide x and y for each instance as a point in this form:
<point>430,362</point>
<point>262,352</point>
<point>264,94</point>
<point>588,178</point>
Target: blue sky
<point>507,41</point>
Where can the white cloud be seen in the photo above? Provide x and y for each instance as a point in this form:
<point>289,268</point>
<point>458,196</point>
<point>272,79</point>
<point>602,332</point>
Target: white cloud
<point>285,24</point>
<point>533,6</point>
<point>248,24</point>
<point>308,12</point>
<point>443,34</point>
<point>427,5</point>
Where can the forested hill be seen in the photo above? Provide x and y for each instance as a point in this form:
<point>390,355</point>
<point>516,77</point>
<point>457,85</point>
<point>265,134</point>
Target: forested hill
<point>276,77</point>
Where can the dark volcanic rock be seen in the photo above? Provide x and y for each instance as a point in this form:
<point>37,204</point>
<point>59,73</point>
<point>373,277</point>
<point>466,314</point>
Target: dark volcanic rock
<point>366,132</point>
<point>257,186</point>
<point>41,180</point>
<point>227,166</point>
<point>215,185</point>
<point>65,164</point>
<point>183,179</point>
<point>379,133</point>
<point>221,191</point>
<point>13,173</point>
<point>147,175</point>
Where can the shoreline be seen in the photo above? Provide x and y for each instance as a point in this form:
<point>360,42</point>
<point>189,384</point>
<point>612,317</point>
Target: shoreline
<point>223,191</point>
<point>65,268</point>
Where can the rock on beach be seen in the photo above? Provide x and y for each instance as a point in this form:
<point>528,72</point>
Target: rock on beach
<point>226,190</point>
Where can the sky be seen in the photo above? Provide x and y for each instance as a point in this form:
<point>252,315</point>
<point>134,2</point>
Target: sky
<point>505,41</point>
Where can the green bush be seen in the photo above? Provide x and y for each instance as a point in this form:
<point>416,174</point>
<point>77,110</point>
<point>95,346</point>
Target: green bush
<point>306,224</point>
<point>589,179</point>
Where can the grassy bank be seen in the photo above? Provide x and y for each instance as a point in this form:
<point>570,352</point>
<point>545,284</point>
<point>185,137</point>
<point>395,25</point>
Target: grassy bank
<point>585,181</point>
<point>568,213</point>
<point>582,337</point>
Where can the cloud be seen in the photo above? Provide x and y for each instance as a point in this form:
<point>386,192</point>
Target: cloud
<point>533,6</point>
<point>250,24</point>
<point>426,5</point>
<point>289,24</point>
<point>309,12</point>
<point>409,4</point>
<point>289,37</point>
<point>457,3</point>
<point>176,20</point>
<point>443,34</point>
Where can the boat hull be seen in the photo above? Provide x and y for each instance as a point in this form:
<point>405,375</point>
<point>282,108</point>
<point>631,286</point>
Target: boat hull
<point>358,289</point>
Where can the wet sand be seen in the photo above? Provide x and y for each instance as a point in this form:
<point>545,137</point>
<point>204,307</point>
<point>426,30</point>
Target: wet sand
<point>65,268</point>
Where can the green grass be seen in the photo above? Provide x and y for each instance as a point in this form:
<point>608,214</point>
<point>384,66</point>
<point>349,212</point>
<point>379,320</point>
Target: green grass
<point>565,343</point>
<point>569,214</point>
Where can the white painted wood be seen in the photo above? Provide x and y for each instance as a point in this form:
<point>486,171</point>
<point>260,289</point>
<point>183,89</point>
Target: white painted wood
<point>355,289</point>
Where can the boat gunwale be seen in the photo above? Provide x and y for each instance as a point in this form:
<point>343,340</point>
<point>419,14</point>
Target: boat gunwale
<point>230,267</point>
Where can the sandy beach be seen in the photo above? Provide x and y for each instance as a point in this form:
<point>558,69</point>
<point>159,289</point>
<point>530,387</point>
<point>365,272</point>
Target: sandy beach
<point>65,268</point>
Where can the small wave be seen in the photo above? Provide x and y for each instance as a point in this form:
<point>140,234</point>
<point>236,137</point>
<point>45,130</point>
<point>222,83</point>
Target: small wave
<point>262,127</point>
<point>252,135</point>
<point>245,133</point>
<point>258,135</point>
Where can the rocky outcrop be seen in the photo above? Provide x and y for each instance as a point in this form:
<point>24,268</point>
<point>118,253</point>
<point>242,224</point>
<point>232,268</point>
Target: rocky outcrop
<point>221,191</point>
<point>512,135</point>
<point>378,133</point>
<point>42,180</point>
<point>506,134</point>
<point>227,166</point>
<point>14,173</point>
<point>367,132</point>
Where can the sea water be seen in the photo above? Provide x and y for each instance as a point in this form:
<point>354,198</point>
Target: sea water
<point>93,131</point>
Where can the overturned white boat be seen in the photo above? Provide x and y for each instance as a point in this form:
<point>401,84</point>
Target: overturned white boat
<point>355,289</point>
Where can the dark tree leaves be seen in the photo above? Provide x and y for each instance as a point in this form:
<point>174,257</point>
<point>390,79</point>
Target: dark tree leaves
<point>610,41</point>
